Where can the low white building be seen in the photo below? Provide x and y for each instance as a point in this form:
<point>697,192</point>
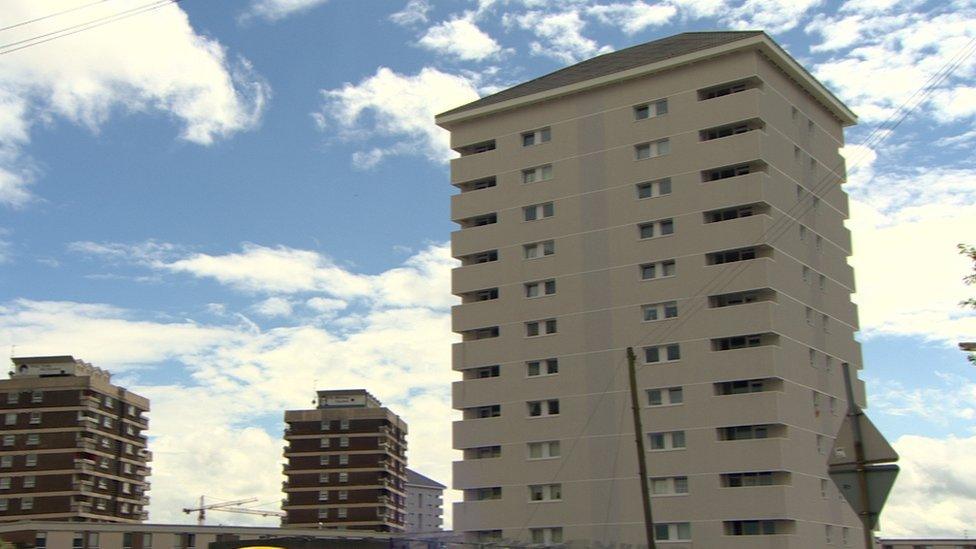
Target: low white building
<point>425,503</point>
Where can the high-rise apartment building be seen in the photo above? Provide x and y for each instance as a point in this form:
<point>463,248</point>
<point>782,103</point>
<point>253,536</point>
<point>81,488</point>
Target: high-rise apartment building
<point>682,197</point>
<point>73,444</point>
<point>346,465</point>
<point>425,503</point>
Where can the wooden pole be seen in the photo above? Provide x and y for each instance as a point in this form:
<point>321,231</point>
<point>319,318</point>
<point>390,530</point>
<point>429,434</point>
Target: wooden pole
<point>641,454</point>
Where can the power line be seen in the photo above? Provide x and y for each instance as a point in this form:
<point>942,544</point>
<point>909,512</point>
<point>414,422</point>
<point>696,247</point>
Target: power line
<point>81,27</point>
<point>62,12</point>
<point>879,135</point>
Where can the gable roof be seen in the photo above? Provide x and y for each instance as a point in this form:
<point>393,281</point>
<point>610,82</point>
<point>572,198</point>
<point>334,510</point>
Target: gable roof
<point>642,59</point>
<point>415,478</point>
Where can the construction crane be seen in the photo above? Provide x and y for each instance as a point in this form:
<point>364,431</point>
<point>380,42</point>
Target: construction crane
<point>230,507</point>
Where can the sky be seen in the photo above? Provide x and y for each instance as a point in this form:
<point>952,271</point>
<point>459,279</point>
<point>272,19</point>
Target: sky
<point>230,204</point>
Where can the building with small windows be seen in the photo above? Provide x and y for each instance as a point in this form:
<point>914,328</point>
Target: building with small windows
<point>346,464</point>
<point>73,446</point>
<point>425,503</point>
<point>683,197</point>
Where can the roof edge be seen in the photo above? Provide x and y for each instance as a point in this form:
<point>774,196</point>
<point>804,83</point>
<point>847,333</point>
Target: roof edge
<point>761,41</point>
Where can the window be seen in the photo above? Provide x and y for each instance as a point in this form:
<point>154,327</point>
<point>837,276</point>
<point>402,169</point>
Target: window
<point>4,504</point>
<point>476,148</point>
<point>547,367</point>
<point>725,131</point>
<point>828,533</point>
<point>675,531</point>
<point>805,274</point>
<point>823,283</point>
<point>808,313</point>
<point>323,513</point>
<point>106,422</point>
<point>818,242</point>
<point>484,452</point>
<point>812,357</point>
<point>743,386</point>
<point>126,467</point>
<point>9,440</point>
<point>27,504</point>
<point>37,396</point>
<point>495,410</point>
<point>343,442</point>
<point>672,440</point>
<point>13,398</point>
<point>652,149</point>
<point>540,173</point>
<point>546,536</point>
<point>739,342</point>
<point>6,461</point>
<point>544,450</point>
<point>660,269</point>
<point>651,229</point>
<point>344,459</point>
<point>343,494</point>
<point>724,89</point>
<point>651,110</point>
<point>669,486</point>
<point>728,214</point>
<point>821,445</point>
<point>743,432</point>
<point>803,232</point>
<point>665,397</point>
<point>325,443</point>
<point>30,481</point>
<point>536,289</point>
<point>10,419</point>
<point>343,477</point>
<point>479,220</point>
<point>539,249</point>
<point>481,333</point>
<point>750,527</point>
<point>324,460</point>
<point>650,189</point>
<point>545,492</point>
<point>343,424</point>
<point>128,448</point>
<point>486,371</point>
<point>662,353</point>
<point>5,483</point>
<point>325,425</point>
<point>480,257</point>
<point>102,484</point>
<point>481,494</point>
<point>823,488</point>
<point>538,211</point>
<point>323,478</point>
<point>825,323</point>
<point>543,408</point>
<point>726,172</point>
<point>40,541</point>
<point>476,185</point>
<point>104,463</point>
<point>540,327</point>
<point>660,311</point>
<point>741,298</point>
<point>845,535</point>
<point>536,137</point>
<point>108,402</point>
<point>731,256</point>
<point>745,480</point>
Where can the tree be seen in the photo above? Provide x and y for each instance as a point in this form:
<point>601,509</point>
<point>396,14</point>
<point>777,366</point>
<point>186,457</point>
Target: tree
<point>970,252</point>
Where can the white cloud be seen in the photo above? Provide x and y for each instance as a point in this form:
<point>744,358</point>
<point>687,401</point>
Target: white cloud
<point>935,491</point>
<point>878,61</point>
<point>273,10</point>
<point>561,35</point>
<point>274,307</point>
<point>325,305</point>
<point>460,38</point>
<point>773,16</point>
<point>165,67</point>
<point>635,16</point>
<point>398,107</point>
<point>413,13</point>
<point>953,399</point>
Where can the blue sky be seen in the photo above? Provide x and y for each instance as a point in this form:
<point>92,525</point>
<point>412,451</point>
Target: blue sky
<point>231,203</point>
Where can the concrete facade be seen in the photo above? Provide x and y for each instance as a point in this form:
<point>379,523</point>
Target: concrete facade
<point>691,208</point>
<point>73,444</point>
<point>425,503</point>
<point>346,464</point>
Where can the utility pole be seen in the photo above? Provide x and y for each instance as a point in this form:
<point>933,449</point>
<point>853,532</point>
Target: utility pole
<point>641,454</point>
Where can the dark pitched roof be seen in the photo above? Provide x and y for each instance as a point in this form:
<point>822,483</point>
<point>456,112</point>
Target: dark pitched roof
<point>413,477</point>
<point>610,63</point>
